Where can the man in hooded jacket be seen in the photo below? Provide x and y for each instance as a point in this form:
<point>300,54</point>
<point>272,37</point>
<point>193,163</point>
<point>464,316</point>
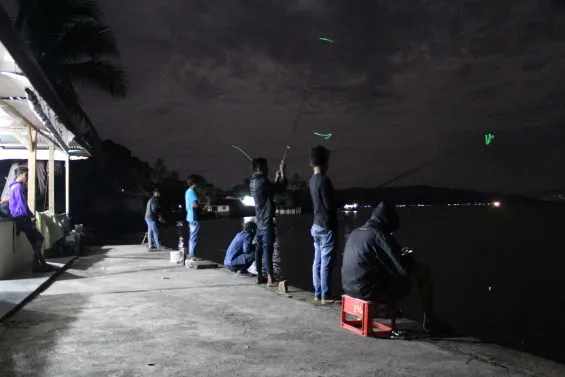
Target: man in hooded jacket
<point>375,267</point>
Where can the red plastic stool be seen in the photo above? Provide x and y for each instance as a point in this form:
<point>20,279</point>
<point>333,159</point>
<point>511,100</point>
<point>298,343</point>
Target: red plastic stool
<point>364,324</point>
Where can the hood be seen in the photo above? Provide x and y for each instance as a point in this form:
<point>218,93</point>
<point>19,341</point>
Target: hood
<point>385,217</point>
<point>15,183</point>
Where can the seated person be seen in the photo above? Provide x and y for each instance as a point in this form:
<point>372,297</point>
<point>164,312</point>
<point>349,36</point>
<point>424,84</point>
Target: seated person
<point>25,219</point>
<point>241,254</point>
<point>375,267</point>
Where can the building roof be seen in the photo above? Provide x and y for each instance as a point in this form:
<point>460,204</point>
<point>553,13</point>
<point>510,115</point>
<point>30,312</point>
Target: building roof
<point>27,99</point>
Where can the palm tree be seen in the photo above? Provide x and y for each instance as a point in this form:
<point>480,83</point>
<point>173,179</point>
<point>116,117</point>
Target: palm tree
<point>74,48</point>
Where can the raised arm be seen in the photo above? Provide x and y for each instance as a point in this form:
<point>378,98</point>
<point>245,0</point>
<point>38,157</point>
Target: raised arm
<point>280,183</point>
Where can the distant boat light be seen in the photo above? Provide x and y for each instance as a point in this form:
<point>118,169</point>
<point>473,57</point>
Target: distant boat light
<point>496,204</point>
<point>350,206</point>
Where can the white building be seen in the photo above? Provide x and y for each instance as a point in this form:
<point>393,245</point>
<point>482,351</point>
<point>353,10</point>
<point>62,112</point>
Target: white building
<point>34,125</point>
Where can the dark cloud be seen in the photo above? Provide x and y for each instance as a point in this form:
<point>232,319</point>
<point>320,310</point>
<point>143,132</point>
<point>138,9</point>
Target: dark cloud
<point>406,81</point>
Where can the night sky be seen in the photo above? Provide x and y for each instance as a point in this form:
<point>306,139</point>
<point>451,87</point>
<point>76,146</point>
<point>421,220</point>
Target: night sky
<point>406,82</point>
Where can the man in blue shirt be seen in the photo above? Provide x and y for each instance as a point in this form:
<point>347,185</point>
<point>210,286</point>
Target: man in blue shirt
<point>240,254</point>
<point>192,206</point>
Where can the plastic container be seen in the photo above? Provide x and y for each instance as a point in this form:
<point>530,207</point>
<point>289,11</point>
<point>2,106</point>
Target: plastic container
<point>174,256</point>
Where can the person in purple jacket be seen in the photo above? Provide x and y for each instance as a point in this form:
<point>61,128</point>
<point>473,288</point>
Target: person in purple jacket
<point>25,219</point>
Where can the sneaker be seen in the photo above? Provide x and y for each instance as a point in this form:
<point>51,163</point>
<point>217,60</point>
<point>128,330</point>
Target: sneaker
<point>152,248</point>
<point>241,274</point>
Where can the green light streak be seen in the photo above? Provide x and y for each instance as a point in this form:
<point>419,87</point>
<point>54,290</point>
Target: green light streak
<point>488,138</point>
<point>326,39</point>
<point>325,136</point>
<point>242,151</point>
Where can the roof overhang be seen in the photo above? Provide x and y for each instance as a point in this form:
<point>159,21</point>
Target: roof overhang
<point>29,105</point>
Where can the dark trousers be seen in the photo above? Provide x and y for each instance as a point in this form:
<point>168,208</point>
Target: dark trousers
<point>264,249</point>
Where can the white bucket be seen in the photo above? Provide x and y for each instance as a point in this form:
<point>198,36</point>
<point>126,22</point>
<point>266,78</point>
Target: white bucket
<point>174,256</point>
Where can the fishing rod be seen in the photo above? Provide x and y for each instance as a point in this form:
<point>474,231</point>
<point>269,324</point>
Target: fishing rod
<point>305,92</point>
<point>386,183</point>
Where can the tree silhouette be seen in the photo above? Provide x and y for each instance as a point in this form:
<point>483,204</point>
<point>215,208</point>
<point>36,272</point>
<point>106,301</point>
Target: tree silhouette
<point>74,48</point>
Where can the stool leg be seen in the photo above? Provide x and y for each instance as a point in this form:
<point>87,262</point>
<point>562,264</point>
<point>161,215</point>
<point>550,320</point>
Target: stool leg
<point>144,238</point>
<point>367,319</point>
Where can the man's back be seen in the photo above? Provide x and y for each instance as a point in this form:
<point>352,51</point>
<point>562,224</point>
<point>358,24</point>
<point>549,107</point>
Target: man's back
<point>262,191</point>
<point>321,192</point>
<point>372,259</point>
<point>152,209</point>
<point>235,254</point>
<point>190,196</point>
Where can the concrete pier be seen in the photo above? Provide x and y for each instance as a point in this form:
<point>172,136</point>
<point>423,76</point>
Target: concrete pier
<point>124,311</point>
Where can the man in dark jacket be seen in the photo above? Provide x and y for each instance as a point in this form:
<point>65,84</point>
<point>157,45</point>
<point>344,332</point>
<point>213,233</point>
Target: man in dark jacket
<point>263,191</point>
<point>375,267</point>
<point>152,215</point>
<point>240,254</point>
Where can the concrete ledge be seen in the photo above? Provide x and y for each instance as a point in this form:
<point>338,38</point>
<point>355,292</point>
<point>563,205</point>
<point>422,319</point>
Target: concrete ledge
<point>17,292</point>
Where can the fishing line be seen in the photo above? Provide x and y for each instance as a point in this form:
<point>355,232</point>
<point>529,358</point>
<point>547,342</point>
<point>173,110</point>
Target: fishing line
<point>305,92</point>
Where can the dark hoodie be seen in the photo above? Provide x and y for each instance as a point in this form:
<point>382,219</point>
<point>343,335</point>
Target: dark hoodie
<point>372,263</point>
<point>262,191</point>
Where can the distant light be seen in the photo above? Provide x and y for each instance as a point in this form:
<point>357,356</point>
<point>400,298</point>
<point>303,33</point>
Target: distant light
<point>350,206</point>
<point>496,204</point>
<point>123,190</point>
<point>180,205</point>
<point>248,201</point>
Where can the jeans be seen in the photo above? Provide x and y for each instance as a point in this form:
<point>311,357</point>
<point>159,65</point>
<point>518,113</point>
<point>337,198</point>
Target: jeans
<point>323,260</point>
<point>241,267</point>
<point>264,249</point>
<point>153,233</point>
<point>193,238</point>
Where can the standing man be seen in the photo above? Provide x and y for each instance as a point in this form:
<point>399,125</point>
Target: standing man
<point>152,215</point>
<point>192,206</point>
<point>25,219</point>
<point>262,191</point>
<point>325,223</point>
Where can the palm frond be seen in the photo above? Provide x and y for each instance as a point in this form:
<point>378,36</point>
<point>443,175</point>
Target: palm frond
<point>99,75</point>
<point>44,22</point>
<point>84,39</point>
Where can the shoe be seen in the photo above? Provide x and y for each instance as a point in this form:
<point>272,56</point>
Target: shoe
<point>261,279</point>
<point>328,301</point>
<point>241,274</point>
<point>317,299</point>
<point>152,248</point>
